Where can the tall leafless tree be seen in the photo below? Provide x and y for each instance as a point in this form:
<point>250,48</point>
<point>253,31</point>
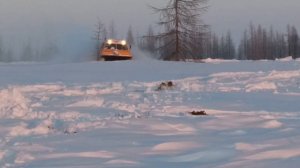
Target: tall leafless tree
<point>2,57</point>
<point>100,36</point>
<point>149,41</point>
<point>258,43</point>
<point>229,48</point>
<point>27,52</point>
<point>112,30</point>
<point>215,48</point>
<point>130,38</point>
<point>47,52</point>
<point>293,41</point>
<point>182,25</point>
<point>9,56</point>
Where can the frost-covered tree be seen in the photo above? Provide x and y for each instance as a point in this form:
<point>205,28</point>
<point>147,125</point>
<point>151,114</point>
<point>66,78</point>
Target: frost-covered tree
<point>259,43</point>
<point>2,53</point>
<point>149,40</point>
<point>229,48</point>
<point>8,55</point>
<point>182,26</point>
<point>100,36</point>
<point>130,37</point>
<point>293,41</point>
<point>112,30</point>
<point>27,52</point>
<point>47,52</point>
<point>100,32</point>
<point>215,48</point>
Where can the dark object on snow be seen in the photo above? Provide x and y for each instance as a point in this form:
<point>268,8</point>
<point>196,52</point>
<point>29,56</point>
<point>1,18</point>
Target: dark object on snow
<point>170,84</point>
<point>165,85</point>
<point>70,132</point>
<point>198,113</point>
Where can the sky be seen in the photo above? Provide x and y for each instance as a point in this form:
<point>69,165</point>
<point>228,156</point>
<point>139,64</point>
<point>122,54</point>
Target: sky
<point>236,15</point>
<point>71,23</point>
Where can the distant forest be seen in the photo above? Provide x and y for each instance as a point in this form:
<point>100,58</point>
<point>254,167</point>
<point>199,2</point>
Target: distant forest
<point>183,36</point>
<point>28,52</point>
<point>257,43</point>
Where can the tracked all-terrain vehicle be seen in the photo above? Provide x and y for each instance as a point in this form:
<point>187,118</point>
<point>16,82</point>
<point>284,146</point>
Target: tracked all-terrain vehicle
<point>114,50</point>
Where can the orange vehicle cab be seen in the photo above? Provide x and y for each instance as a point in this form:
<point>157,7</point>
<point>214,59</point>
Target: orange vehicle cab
<point>113,50</point>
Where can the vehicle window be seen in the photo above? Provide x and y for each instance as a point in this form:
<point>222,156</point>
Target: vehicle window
<point>116,46</point>
<point>112,46</point>
<point>122,47</point>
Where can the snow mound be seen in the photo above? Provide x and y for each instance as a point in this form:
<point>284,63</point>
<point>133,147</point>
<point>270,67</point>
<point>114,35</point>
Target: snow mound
<point>88,103</point>
<point>44,128</point>
<point>285,59</point>
<point>272,124</point>
<point>173,147</point>
<point>217,61</point>
<point>89,154</point>
<point>275,154</point>
<point>13,104</point>
<point>23,157</point>
<point>283,75</point>
<point>121,162</point>
<point>263,86</point>
<point>251,147</point>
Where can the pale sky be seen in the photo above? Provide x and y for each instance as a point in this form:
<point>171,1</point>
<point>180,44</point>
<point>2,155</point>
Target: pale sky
<point>71,22</point>
<point>237,14</point>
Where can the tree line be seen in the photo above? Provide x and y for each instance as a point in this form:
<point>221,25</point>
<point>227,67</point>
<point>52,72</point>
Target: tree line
<point>47,50</point>
<point>28,52</point>
<point>256,43</point>
<point>260,43</point>
<point>184,36</point>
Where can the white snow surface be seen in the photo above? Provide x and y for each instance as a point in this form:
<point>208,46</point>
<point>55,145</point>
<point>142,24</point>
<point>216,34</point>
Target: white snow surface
<point>110,114</point>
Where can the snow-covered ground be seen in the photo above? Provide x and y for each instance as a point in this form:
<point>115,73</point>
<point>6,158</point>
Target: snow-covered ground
<point>110,114</point>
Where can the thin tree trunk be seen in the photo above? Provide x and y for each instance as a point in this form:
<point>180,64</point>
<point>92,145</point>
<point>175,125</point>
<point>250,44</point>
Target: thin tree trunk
<point>177,31</point>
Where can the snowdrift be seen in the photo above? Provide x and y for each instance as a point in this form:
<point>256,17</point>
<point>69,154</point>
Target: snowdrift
<point>111,114</point>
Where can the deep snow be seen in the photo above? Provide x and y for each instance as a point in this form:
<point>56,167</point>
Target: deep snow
<point>109,114</point>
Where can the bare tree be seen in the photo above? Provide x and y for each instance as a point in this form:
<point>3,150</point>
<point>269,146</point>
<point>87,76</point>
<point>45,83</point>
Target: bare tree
<point>9,56</point>
<point>229,49</point>
<point>215,49</point>
<point>112,30</point>
<point>130,37</point>
<point>182,26</point>
<point>258,43</point>
<point>150,40</point>
<point>100,36</point>
<point>27,52</point>
<point>293,41</point>
<point>47,52</point>
<point>2,54</point>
